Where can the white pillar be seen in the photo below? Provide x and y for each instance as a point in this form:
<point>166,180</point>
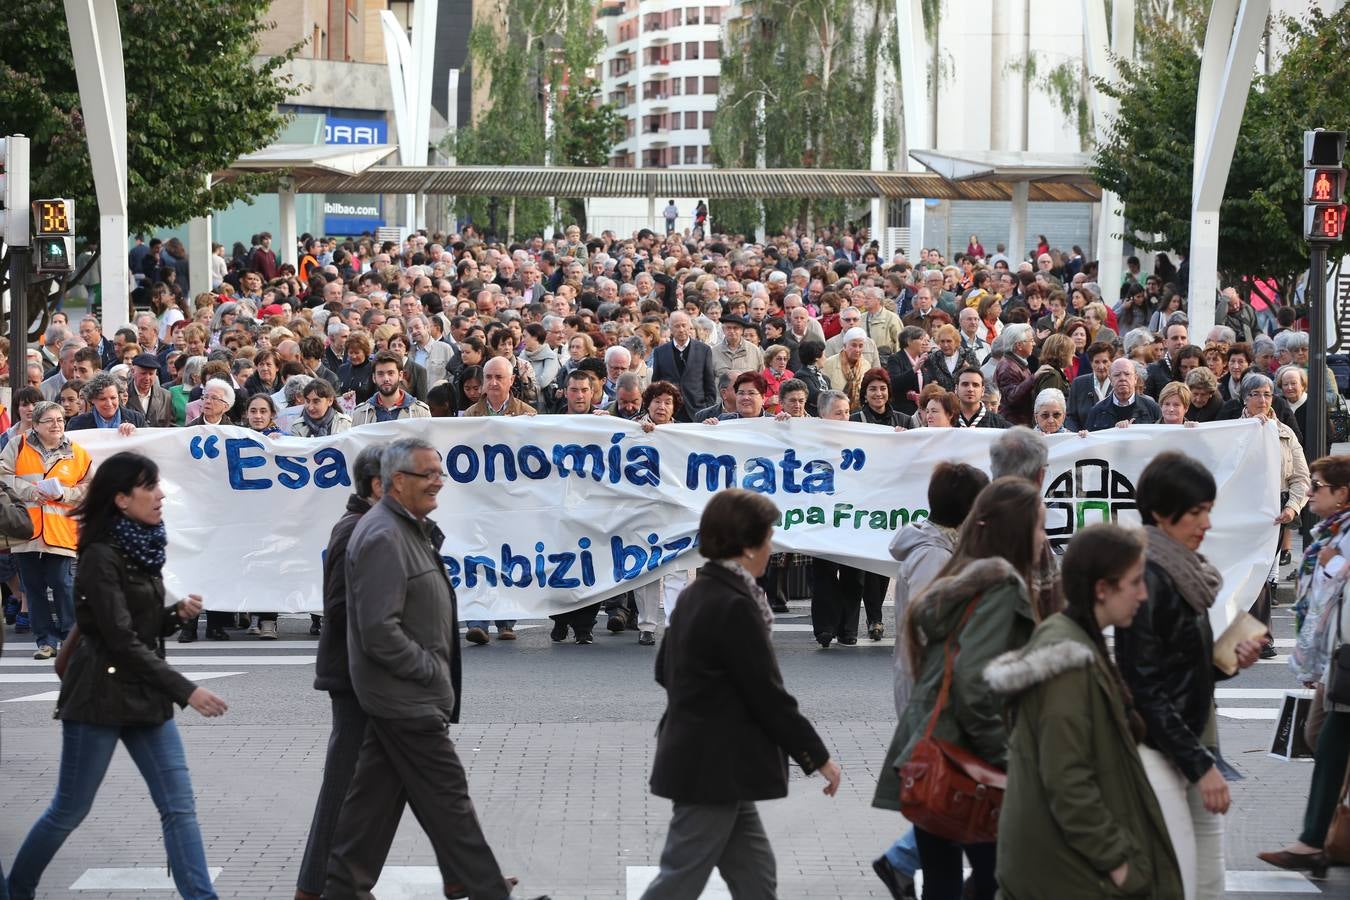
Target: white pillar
<point>285,247</point>
<point>1017,230</point>
<point>1233,36</point>
<point>914,103</point>
<point>410,84</point>
<point>199,255</point>
<point>96,46</point>
<point>880,222</point>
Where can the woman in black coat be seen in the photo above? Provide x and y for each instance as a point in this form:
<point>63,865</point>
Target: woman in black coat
<point>729,724</point>
<point>118,687</point>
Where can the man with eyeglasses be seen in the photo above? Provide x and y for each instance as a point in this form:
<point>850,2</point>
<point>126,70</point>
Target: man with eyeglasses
<point>403,656</point>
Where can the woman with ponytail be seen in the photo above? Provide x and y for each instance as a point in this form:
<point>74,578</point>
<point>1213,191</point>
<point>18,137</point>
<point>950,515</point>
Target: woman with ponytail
<point>1079,818</point>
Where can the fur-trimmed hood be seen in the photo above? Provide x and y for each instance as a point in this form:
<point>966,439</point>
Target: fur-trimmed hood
<point>1019,670</point>
<point>944,602</point>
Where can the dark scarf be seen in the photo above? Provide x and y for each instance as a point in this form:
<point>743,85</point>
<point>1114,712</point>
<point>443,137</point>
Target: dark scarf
<point>320,427</point>
<point>1197,581</point>
<point>143,543</point>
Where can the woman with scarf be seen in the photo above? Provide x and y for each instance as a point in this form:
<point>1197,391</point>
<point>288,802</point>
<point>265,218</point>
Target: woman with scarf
<point>1323,626</point>
<point>730,725</point>
<point>118,687</point>
<point>320,417</point>
<point>261,415</point>
<point>1165,656</point>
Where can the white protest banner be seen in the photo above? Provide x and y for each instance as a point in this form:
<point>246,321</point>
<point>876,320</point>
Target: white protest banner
<point>546,514</point>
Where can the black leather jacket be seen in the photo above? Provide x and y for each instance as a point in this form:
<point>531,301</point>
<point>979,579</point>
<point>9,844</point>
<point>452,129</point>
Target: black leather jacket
<point>117,674</point>
<point>1166,658</point>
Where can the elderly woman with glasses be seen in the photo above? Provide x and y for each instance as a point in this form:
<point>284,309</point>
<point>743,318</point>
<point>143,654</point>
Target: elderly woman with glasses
<point>50,474</point>
<point>1257,393</point>
<point>217,400</point>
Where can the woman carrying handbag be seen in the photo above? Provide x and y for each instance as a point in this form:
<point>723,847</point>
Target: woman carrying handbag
<point>977,609</point>
<point>1321,660</point>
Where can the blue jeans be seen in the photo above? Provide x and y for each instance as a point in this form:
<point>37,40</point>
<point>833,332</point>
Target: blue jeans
<point>904,855</point>
<point>37,573</point>
<point>86,751</point>
<point>500,623</point>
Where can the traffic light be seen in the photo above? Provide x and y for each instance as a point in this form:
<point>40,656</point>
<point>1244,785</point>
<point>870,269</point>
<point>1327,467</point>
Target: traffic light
<point>53,236</point>
<point>1324,210</point>
<point>14,189</point>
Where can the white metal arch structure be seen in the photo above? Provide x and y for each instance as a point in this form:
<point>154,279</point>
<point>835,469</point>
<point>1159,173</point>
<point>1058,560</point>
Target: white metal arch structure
<point>1226,69</point>
<point>410,65</point>
<point>96,46</point>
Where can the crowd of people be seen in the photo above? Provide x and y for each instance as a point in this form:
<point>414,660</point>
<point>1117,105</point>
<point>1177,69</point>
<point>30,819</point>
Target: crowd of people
<point>666,329</point>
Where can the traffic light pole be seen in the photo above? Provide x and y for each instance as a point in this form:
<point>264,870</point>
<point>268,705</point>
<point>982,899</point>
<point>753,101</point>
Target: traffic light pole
<point>1315,440</point>
<point>19,263</point>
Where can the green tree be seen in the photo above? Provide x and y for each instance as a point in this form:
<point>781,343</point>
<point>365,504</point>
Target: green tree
<point>197,100</point>
<point>533,53</point>
<point>796,91</point>
<point>1148,156</point>
<point>586,133</point>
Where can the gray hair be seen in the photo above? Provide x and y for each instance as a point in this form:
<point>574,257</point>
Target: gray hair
<point>613,354</point>
<point>1048,396</point>
<point>97,385</point>
<point>628,381</point>
<point>398,456</point>
<point>366,467</point>
<point>1019,452</point>
<point>1302,373</point>
<point>1223,334</point>
<point>1262,344</point>
<point>337,326</point>
<point>43,407</point>
<point>1291,341</point>
<point>1202,377</point>
<point>71,344</point>
<point>192,370</point>
<point>1016,333</point>
<point>825,398</point>
<point>294,389</point>
<point>1252,381</point>
<point>57,334</point>
<point>725,379</point>
<point>1136,338</point>
<point>224,386</point>
<point>635,347</point>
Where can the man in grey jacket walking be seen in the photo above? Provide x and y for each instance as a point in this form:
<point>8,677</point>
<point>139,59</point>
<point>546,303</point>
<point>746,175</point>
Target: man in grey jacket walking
<point>403,650</point>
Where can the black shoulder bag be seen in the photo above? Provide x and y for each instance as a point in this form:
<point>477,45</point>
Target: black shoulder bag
<point>1338,673</point>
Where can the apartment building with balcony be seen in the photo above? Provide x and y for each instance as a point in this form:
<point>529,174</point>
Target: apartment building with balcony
<point>660,67</point>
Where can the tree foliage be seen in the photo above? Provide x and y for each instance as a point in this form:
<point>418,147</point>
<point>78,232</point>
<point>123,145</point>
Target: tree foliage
<point>539,61</point>
<point>196,101</point>
<point>1148,156</point>
<point>796,91</point>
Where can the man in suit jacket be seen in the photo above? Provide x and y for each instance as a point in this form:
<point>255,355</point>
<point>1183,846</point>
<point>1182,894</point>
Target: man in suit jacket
<point>146,396</point>
<point>433,355</point>
<point>1127,402</point>
<point>686,363</point>
<point>1090,388</point>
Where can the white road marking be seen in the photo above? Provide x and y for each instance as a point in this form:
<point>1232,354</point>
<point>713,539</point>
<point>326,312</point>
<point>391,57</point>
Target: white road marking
<point>639,877</point>
<point>1267,882</point>
<point>50,678</point>
<point>137,879</point>
<point>1249,712</point>
<point>1250,693</point>
<point>240,660</point>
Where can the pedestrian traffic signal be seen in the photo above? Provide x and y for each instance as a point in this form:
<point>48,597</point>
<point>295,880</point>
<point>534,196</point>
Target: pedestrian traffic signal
<point>53,236</point>
<point>1324,223</point>
<point>1324,179</point>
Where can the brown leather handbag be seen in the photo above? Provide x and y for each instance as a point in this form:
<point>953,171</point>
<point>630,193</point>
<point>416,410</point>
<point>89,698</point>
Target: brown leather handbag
<point>945,789</point>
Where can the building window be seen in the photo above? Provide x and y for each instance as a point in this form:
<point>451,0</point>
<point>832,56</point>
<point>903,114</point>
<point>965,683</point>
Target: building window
<point>691,121</point>
<point>691,156</point>
<point>708,117</point>
<point>691,84</point>
<point>712,14</point>
<point>710,84</point>
<point>712,49</point>
<point>708,156</point>
<point>677,52</point>
<point>676,87</point>
<point>676,17</point>
<point>691,16</point>
<point>691,50</point>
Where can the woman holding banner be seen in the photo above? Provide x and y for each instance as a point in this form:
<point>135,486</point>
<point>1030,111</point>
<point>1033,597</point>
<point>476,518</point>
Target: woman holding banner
<point>1321,609</point>
<point>1165,656</point>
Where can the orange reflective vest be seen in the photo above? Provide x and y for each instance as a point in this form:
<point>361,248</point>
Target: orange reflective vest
<point>51,518</point>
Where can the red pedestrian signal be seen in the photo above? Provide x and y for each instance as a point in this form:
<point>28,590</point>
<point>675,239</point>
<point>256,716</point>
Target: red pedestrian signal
<point>1324,178</point>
